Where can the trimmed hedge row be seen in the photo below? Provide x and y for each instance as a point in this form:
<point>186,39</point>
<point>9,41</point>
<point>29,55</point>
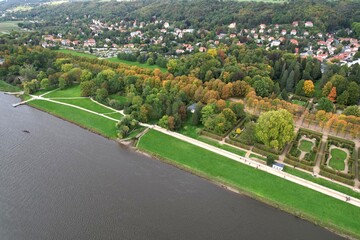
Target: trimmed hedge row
<point>265,153</point>
<point>298,164</point>
<point>308,131</point>
<point>267,149</point>
<point>237,143</point>
<point>337,178</point>
<point>210,134</point>
<point>220,137</point>
<point>337,173</point>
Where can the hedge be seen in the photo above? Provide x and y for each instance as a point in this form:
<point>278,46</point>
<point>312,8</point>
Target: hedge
<point>265,153</point>
<point>337,173</point>
<point>267,149</point>
<point>237,143</point>
<point>337,178</point>
<point>298,164</point>
<point>210,134</point>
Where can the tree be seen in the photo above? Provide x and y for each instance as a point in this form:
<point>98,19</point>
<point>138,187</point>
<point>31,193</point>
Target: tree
<point>275,128</point>
<point>352,110</point>
<point>290,82</point>
<point>309,88</point>
<point>196,116</point>
<point>164,122</point>
<point>354,93</point>
<point>343,98</point>
<point>101,94</point>
<point>325,104</point>
<point>332,94</point>
<point>126,125</point>
<point>87,88</point>
<point>45,83</point>
<point>299,90</point>
<point>264,86</point>
<point>238,109</point>
<point>284,95</point>
<point>270,160</point>
<point>326,89</point>
<point>206,112</point>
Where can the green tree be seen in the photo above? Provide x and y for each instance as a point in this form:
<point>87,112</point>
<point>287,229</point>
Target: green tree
<point>45,83</point>
<point>264,86</point>
<point>101,94</point>
<point>325,104</point>
<point>275,128</point>
<point>299,90</point>
<point>290,82</point>
<point>206,112</point>
<point>354,93</point>
<point>270,160</point>
<point>164,122</point>
<point>352,110</point>
<point>342,99</point>
<point>238,109</point>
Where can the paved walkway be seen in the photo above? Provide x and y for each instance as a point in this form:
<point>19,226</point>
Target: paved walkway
<point>235,157</point>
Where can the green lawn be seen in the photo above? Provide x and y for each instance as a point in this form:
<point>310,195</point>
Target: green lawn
<point>115,115</point>
<point>257,157</point>
<point>105,127</point>
<point>323,182</point>
<point>290,196</point>
<point>142,65</point>
<point>119,98</point>
<point>298,102</point>
<point>8,26</point>
<point>114,59</point>
<point>88,104</point>
<point>75,53</point>
<point>337,159</point>
<point>73,91</point>
<point>306,146</point>
<point>5,87</point>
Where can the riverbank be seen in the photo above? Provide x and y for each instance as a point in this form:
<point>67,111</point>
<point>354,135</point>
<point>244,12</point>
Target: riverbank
<point>302,202</point>
<point>298,200</point>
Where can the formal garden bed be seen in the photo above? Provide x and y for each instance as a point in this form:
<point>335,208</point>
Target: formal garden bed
<point>304,149</point>
<point>338,161</point>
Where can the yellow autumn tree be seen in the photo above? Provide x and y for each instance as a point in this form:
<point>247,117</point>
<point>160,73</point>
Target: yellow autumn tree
<point>309,88</point>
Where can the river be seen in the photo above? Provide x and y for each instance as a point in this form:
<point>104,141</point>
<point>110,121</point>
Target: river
<point>60,181</point>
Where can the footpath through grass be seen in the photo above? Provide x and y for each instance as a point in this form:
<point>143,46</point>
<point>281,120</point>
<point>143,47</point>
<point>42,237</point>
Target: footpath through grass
<point>73,91</point>
<point>88,104</point>
<point>323,182</point>
<point>287,195</point>
<point>95,123</point>
<point>6,87</point>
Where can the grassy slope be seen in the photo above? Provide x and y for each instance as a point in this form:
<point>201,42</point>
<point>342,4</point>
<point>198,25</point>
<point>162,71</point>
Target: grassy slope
<point>88,104</point>
<point>5,87</point>
<point>119,98</point>
<point>69,92</point>
<point>142,65</point>
<point>87,120</point>
<point>321,208</point>
<point>114,59</point>
<point>8,26</point>
<point>323,182</point>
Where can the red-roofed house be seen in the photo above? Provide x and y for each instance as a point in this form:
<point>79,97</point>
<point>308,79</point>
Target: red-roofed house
<point>294,41</point>
<point>309,24</point>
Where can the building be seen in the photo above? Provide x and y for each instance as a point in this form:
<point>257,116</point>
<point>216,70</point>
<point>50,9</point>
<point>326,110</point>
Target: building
<point>278,166</point>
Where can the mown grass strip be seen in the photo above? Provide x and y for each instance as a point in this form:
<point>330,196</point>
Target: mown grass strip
<point>95,123</point>
<point>86,103</point>
<point>323,182</point>
<point>289,196</point>
<point>73,91</point>
<point>6,87</point>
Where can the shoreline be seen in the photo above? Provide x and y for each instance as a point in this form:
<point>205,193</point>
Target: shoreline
<point>130,145</point>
